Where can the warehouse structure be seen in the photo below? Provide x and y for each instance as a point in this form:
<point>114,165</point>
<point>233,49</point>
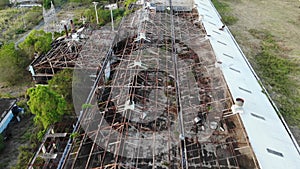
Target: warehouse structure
<point>162,92</point>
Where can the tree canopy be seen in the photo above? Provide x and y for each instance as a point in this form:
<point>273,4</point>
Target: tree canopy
<point>103,15</point>
<point>12,64</point>
<point>61,83</point>
<point>48,106</point>
<point>47,4</point>
<point>37,41</point>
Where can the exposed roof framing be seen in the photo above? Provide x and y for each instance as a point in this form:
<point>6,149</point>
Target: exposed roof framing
<point>158,93</point>
<point>133,118</point>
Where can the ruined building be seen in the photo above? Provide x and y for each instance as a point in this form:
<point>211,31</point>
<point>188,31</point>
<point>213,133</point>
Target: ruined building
<point>170,88</point>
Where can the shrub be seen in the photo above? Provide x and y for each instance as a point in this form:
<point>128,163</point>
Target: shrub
<point>47,106</point>
<point>225,12</point>
<point>24,157</point>
<point>13,65</point>
<point>37,41</point>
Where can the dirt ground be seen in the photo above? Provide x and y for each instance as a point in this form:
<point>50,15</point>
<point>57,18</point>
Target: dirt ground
<point>280,18</point>
<point>18,131</point>
<point>19,136</point>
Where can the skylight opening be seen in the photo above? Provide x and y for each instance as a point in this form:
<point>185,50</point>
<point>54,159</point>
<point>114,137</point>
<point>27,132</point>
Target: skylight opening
<point>235,70</point>
<point>275,152</point>
<point>258,116</point>
<point>217,32</point>
<point>212,23</point>
<point>228,55</point>
<point>248,91</point>
<point>222,43</point>
<point>205,9</point>
<point>208,16</point>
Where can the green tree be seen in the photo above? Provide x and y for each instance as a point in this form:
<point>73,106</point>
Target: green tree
<point>82,1</point>
<point>48,106</point>
<point>128,2</point>
<point>37,41</point>
<point>12,64</point>
<point>47,4</point>
<point>61,83</point>
<point>103,15</point>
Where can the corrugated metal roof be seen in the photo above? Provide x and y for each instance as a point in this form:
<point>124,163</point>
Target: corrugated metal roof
<point>5,105</point>
<point>271,140</point>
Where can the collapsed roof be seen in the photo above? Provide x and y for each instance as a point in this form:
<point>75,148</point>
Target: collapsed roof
<point>153,95</point>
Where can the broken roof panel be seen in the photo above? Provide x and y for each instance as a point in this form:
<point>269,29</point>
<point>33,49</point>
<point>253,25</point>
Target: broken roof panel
<point>154,95</point>
<point>154,106</point>
<point>6,105</point>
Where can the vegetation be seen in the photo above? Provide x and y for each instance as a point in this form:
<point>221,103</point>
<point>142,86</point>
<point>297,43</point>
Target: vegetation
<point>37,41</point>
<point>86,106</point>
<point>3,3</point>
<point>47,106</point>
<point>13,65</point>
<point>61,84</point>
<point>21,144</point>
<point>16,21</point>
<point>74,135</point>
<point>47,4</point>
<point>225,12</point>
<point>48,103</point>
<point>81,1</point>
<point>56,93</point>
<point>26,152</point>
<point>24,157</point>
<point>128,2</point>
<point>103,15</point>
<point>276,69</point>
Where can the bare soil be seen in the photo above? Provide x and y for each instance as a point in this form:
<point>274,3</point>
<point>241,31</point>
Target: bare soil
<point>19,136</point>
<point>18,132</point>
<point>13,91</point>
<point>280,18</point>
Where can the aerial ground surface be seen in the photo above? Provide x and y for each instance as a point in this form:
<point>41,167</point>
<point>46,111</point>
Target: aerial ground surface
<point>281,19</point>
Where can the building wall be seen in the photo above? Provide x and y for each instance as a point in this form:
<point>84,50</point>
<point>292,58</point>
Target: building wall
<point>6,120</point>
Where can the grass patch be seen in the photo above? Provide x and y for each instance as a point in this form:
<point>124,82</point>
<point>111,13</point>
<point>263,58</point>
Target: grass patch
<point>3,4</point>
<point>29,145</point>
<point>16,21</point>
<point>225,11</point>
<point>276,70</point>
<point>25,154</point>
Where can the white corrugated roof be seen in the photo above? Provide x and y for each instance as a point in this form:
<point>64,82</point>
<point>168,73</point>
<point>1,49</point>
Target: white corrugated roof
<point>268,136</point>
